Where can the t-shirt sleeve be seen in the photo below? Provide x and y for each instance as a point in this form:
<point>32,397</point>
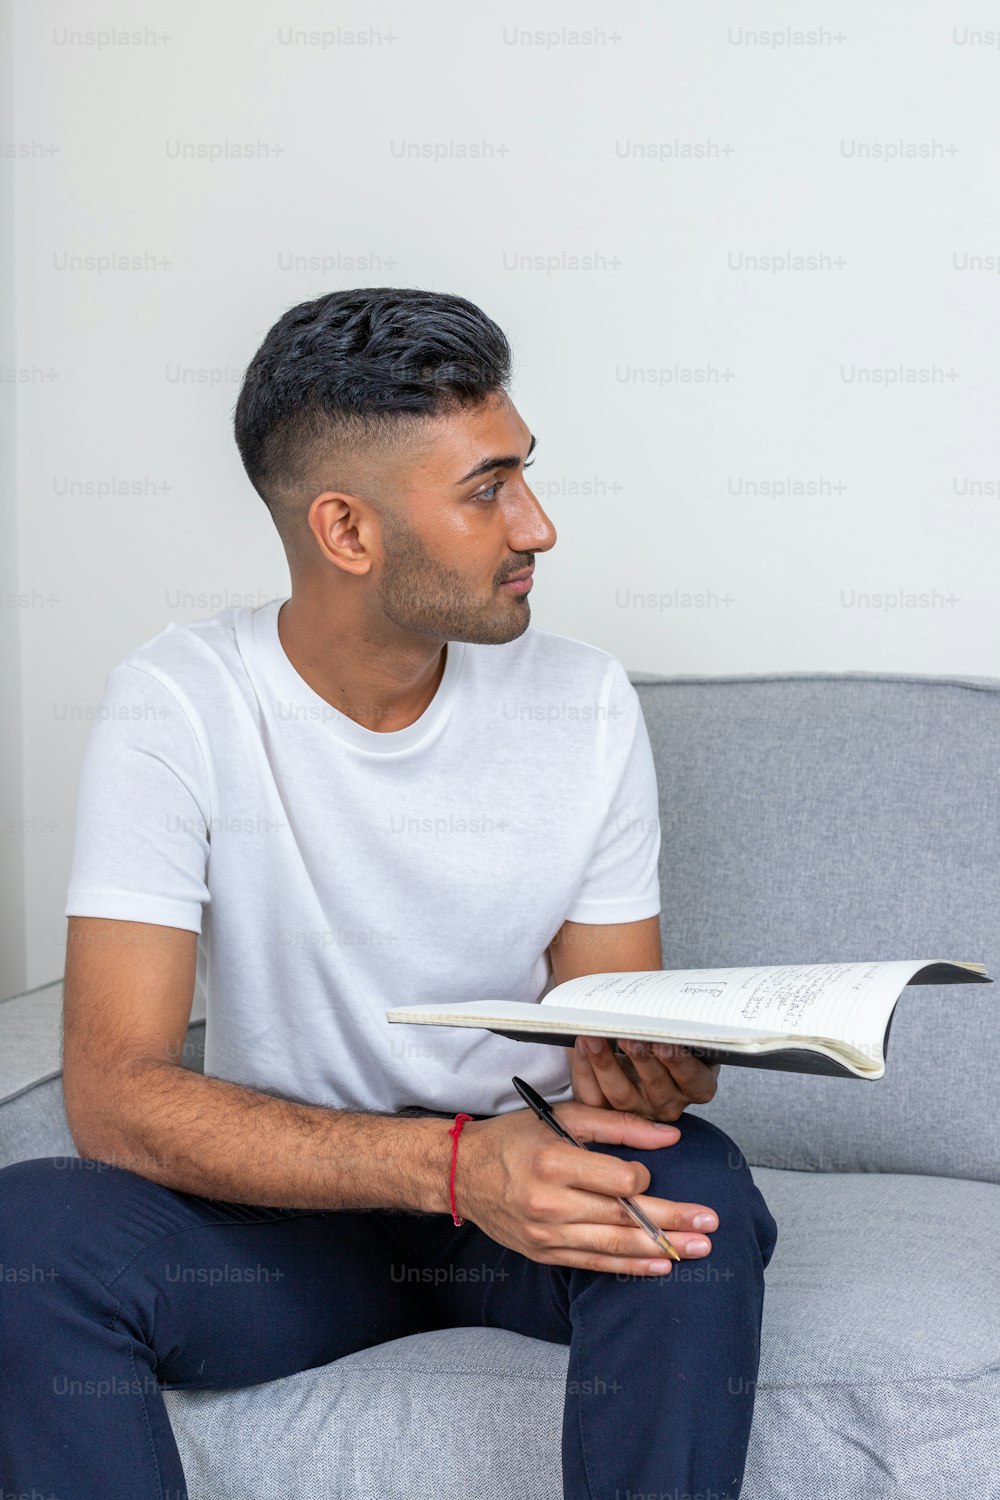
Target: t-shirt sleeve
<point>141,845</point>
<point>622,882</point>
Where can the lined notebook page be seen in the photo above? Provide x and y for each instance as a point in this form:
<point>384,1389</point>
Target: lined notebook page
<point>850,1002</point>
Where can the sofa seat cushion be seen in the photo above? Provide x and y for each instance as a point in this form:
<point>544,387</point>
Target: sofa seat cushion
<point>879,1379</point>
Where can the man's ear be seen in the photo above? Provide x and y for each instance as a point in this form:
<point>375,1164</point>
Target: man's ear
<point>344,528</point>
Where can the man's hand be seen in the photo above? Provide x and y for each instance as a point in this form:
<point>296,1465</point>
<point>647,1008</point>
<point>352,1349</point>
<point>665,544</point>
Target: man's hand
<point>662,1081</point>
<point>555,1204</point>
<point>658,1080</point>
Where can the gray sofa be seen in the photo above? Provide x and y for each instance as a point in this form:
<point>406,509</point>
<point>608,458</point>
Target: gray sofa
<point>804,818</point>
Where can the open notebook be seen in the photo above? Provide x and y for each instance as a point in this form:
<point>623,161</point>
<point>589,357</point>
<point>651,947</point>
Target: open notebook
<point>799,1018</point>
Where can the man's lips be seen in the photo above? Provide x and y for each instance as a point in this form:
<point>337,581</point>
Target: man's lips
<point>519,583</point>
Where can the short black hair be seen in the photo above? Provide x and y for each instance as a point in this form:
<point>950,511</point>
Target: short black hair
<point>356,366</point>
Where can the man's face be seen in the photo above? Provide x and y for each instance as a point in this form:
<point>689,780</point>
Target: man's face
<point>463,521</point>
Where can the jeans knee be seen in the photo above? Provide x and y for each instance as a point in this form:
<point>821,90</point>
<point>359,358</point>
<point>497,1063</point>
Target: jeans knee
<point>706,1166</point>
<point>718,1160</point>
<point>703,1155</point>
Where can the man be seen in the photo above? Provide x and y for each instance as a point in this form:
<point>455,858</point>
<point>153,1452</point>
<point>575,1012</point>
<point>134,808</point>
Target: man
<point>388,788</point>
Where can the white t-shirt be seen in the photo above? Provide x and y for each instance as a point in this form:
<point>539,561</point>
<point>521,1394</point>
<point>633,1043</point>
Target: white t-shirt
<point>333,871</point>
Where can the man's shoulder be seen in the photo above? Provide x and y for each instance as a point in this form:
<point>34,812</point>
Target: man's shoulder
<point>182,655</point>
<point>555,680</point>
<point>542,655</point>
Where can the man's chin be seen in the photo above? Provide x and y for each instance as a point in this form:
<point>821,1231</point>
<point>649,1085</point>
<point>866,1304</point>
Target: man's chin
<point>501,628</point>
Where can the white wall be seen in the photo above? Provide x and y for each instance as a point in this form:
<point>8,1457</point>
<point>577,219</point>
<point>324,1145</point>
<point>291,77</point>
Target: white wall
<point>12,827</point>
<point>670,560</point>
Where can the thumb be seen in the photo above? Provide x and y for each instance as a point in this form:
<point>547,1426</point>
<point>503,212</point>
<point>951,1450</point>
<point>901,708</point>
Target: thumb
<point>615,1127</point>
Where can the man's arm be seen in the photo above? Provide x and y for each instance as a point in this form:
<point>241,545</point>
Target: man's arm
<point>128,993</point>
<point>664,1079</point>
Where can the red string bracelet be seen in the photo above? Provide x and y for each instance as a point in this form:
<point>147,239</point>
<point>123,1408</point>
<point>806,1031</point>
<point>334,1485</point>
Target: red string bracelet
<point>455,1132</point>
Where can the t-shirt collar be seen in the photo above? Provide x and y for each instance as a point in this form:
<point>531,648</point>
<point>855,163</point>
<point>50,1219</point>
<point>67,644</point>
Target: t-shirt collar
<point>294,698</point>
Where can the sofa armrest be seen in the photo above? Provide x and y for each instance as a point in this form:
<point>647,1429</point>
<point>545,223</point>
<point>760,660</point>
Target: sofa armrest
<point>30,1041</point>
<point>32,1117</point>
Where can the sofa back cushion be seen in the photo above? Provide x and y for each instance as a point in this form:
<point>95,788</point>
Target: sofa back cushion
<point>842,817</point>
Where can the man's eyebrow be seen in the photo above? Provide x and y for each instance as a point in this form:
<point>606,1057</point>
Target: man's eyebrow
<point>489,464</point>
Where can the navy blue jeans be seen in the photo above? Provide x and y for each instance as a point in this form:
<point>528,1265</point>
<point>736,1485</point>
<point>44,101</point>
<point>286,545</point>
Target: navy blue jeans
<point>113,1286</point>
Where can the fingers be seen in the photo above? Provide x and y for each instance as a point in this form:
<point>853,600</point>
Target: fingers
<point>612,1248</point>
<point>576,1187</point>
<point>585,1085</point>
<point>556,1165</point>
<point>676,1219</point>
<point>622,1266</point>
<point>665,1096</point>
<point>614,1127</point>
<point>696,1080</point>
<point>604,1071</point>
<point>567,1210</point>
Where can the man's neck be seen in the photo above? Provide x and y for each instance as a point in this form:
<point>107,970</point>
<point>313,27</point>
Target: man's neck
<point>378,686</point>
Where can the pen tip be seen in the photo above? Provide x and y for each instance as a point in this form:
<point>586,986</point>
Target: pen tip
<point>668,1247</point>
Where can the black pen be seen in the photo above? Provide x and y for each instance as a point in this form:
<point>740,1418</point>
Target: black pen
<point>546,1114</point>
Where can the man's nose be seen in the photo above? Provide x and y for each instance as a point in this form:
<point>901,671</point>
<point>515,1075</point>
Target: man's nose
<point>531,530</point>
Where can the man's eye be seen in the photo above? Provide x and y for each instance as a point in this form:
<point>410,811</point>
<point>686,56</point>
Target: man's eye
<point>491,492</point>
